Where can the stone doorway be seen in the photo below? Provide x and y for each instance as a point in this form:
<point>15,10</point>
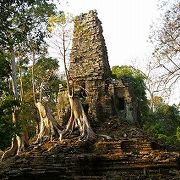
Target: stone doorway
<point>121,104</point>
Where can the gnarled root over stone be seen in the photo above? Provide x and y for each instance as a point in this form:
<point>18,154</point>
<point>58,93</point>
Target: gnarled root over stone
<point>49,127</point>
<point>17,146</point>
<point>78,119</point>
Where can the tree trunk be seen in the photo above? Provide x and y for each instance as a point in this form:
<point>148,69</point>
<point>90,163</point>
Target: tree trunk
<point>17,144</point>
<point>14,75</point>
<point>49,127</point>
<point>79,118</point>
<point>21,84</point>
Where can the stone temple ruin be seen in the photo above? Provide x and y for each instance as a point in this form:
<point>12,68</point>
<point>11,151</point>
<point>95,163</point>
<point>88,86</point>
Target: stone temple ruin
<point>133,157</point>
<point>102,96</point>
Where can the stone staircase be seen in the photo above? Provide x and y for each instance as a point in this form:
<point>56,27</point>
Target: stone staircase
<point>126,159</point>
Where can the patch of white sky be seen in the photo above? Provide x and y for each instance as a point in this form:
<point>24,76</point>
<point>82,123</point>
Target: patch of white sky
<point>126,25</point>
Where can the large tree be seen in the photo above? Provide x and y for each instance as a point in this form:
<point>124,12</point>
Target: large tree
<point>61,27</point>
<point>20,19</point>
<point>155,86</point>
<point>163,123</point>
<point>43,75</point>
<point>6,104</point>
<point>166,40</point>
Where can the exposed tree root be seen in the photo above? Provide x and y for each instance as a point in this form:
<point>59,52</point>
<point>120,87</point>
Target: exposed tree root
<point>78,118</point>
<point>18,143</point>
<point>12,151</point>
<point>17,146</point>
<point>49,127</point>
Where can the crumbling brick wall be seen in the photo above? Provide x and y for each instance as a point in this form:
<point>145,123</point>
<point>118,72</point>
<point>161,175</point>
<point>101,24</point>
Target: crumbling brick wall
<point>90,71</point>
<point>89,59</point>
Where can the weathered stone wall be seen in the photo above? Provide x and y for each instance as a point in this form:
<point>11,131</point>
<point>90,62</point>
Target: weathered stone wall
<point>89,69</point>
<point>89,66</point>
<point>89,60</point>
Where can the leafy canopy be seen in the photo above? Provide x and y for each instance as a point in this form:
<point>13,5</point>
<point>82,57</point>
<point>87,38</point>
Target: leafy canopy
<point>20,18</point>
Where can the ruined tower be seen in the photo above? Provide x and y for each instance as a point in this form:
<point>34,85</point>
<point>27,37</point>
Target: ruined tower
<point>89,66</point>
<point>89,59</point>
<point>101,95</point>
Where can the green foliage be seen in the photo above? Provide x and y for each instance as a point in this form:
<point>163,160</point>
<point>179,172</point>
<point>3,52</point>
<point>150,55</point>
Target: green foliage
<point>4,74</point>
<point>178,133</point>
<point>45,71</point>
<point>164,124</point>
<point>44,68</point>
<point>6,124</point>
<point>19,18</point>
<point>4,67</point>
<point>28,116</point>
<point>7,129</point>
<point>45,75</point>
<point>60,19</point>
<point>136,78</point>
<point>23,26</point>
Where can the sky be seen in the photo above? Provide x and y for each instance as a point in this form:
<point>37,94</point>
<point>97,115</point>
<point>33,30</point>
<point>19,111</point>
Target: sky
<point>126,26</point>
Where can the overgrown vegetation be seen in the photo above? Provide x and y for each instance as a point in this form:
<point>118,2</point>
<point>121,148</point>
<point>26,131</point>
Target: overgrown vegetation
<point>163,121</point>
<point>7,128</point>
<point>137,79</point>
